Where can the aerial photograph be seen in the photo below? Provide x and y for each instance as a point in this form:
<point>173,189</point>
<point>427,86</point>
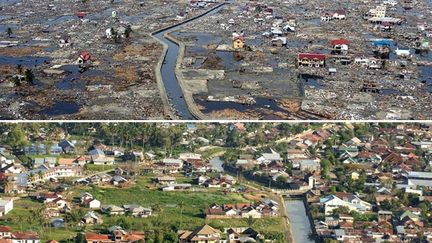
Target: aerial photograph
<point>215,60</point>
<point>215,182</point>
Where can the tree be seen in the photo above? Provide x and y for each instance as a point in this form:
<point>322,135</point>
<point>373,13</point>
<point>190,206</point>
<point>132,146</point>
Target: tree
<point>80,238</point>
<point>281,180</point>
<point>128,31</point>
<point>9,32</point>
<point>233,138</point>
<point>29,76</point>
<point>16,137</point>
<point>250,221</point>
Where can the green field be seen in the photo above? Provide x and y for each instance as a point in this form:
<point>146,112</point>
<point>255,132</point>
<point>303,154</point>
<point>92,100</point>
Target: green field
<point>21,219</point>
<point>174,210</point>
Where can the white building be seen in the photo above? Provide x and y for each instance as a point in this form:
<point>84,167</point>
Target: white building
<point>94,204</point>
<point>351,201</point>
<point>6,205</point>
<point>378,12</point>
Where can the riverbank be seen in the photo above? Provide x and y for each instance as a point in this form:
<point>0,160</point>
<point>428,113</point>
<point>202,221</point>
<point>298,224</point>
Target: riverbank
<point>188,96</point>
<point>168,112</point>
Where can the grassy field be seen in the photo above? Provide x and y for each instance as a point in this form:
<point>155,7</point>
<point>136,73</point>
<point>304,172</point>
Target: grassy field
<point>188,216</point>
<point>176,210</point>
<point>20,219</point>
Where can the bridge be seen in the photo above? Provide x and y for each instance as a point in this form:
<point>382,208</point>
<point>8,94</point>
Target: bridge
<point>290,192</point>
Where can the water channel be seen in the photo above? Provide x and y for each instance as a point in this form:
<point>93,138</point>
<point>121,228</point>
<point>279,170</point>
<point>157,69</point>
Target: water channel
<point>172,86</point>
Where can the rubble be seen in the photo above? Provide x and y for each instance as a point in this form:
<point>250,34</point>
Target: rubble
<point>367,60</point>
<point>96,59</point>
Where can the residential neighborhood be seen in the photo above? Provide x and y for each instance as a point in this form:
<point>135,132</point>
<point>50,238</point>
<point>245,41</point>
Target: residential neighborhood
<point>222,182</point>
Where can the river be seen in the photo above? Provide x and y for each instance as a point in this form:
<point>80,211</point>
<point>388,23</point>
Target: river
<point>299,221</point>
<point>172,86</point>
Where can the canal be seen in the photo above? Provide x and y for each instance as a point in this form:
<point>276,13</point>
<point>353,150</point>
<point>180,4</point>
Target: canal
<point>172,86</point>
<point>299,221</point>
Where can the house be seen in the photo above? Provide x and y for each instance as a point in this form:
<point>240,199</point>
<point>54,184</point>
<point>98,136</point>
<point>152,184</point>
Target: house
<point>308,164</point>
<point>36,149</point>
<point>5,231</point>
<point>267,158</point>
<point>198,165</point>
<point>165,180</point>
<point>402,52</point>
<point>67,147</point>
<point>120,235</point>
<point>265,208</point>
<point>378,12</point>
<point>176,187</point>
<point>348,200</point>
<point>84,57</point>
<point>340,45</point>
<point>113,210</point>
<point>97,238</point>
<point>98,157</point>
<point>311,59</point>
<point>138,211</point>
<point>418,179</point>
<point>202,234</point>
<point>119,180</point>
<point>326,17</point>
<point>65,41</point>
<point>339,14</point>
<point>55,150</point>
<point>90,202</point>
<point>25,237</point>
<point>90,218</point>
<point>66,161</point>
<point>238,42</point>
<point>6,205</point>
<point>94,204</point>
<point>225,181</point>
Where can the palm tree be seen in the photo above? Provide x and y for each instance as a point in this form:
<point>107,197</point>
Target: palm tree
<point>21,219</point>
<point>250,221</point>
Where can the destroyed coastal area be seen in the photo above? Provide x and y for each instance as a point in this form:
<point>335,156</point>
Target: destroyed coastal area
<point>152,59</point>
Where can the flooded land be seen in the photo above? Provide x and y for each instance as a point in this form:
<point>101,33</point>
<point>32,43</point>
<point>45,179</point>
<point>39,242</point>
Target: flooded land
<point>310,60</point>
<point>84,59</point>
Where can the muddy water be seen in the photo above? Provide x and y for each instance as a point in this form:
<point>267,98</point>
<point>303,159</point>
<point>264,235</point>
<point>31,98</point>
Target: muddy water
<point>426,76</point>
<point>24,61</point>
<point>62,108</point>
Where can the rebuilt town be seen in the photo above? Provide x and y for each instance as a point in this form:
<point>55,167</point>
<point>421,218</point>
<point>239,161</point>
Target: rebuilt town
<point>219,183</point>
<point>294,59</point>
